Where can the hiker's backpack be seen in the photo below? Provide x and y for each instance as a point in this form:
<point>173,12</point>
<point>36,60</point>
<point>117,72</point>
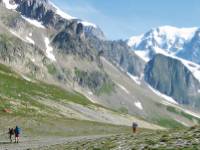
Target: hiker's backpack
<point>17,130</point>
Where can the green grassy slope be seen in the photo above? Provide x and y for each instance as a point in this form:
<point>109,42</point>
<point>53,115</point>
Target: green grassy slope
<point>184,139</point>
<point>14,88</point>
<point>19,105</point>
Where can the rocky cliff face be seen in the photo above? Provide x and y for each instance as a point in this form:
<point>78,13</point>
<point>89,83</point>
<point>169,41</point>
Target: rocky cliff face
<point>119,54</point>
<point>21,55</point>
<point>67,52</point>
<point>77,38</point>
<point>43,11</point>
<point>47,13</point>
<point>73,37</point>
<point>172,78</point>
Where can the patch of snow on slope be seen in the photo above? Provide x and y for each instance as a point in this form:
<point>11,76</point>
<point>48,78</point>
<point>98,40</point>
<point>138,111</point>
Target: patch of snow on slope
<point>61,13</point>
<point>135,40</point>
<point>193,67</point>
<point>30,40</point>
<point>90,93</point>
<point>144,55</point>
<point>49,49</point>
<point>10,6</point>
<point>27,39</point>
<point>169,99</point>
<point>34,22</point>
<point>183,123</point>
<point>134,78</point>
<point>168,103</point>
<point>26,78</point>
<point>33,59</point>
<point>30,34</point>
<point>138,105</point>
<point>18,36</point>
<point>85,23</point>
<point>191,113</point>
<point>123,88</point>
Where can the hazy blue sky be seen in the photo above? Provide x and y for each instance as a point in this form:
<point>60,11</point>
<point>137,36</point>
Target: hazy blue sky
<point>125,18</point>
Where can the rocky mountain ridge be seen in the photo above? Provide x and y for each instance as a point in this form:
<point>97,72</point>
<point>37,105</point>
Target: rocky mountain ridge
<point>109,73</point>
<point>179,45</point>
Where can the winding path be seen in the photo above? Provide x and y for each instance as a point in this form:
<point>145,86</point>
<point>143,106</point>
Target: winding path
<point>44,142</point>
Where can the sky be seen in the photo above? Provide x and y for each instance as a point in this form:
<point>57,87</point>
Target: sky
<point>121,19</point>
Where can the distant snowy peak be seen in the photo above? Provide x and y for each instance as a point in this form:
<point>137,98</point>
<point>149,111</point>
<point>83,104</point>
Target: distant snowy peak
<point>171,39</point>
<point>174,32</point>
<point>135,40</point>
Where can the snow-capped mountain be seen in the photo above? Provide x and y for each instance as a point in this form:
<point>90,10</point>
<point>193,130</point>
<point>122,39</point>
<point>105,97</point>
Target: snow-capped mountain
<point>45,13</point>
<point>164,39</point>
<point>182,44</point>
<point>55,47</point>
<point>179,49</point>
<point>191,51</point>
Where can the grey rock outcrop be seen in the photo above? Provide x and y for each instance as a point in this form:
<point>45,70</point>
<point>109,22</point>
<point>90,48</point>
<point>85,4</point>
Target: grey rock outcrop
<point>171,77</point>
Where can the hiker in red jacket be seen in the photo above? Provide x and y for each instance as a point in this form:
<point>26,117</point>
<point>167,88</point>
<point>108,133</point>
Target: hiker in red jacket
<point>134,126</point>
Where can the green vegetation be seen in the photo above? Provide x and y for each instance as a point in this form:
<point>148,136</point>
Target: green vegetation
<point>106,88</point>
<point>123,110</point>
<point>98,82</point>
<point>5,69</point>
<point>168,123</point>
<point>184,139</point>
<point>13,88</point>
<point>20,99</point>
<point>45,126</point>
<point>5,39</point>
<point>179,112</point>
<point>52,69</point>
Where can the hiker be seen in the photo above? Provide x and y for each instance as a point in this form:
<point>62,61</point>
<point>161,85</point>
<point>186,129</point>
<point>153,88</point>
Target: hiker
<point>11,133</point>
<point>17,132</point>
<point>134,126</point>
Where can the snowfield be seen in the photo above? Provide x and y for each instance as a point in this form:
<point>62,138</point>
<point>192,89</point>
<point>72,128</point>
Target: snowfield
<point>85,23</point>
<point>134,78</point>
<point>123,88</point>
<point>144,55</point>
<point>183,123</point>
<point>34,22</point>
<point>138,104</point>
<point>164,36</point>
<point>26,78</point>
<point>167,98</point>
<point>49,49</point>
<point>30,40</point>
<point>9,6</point>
